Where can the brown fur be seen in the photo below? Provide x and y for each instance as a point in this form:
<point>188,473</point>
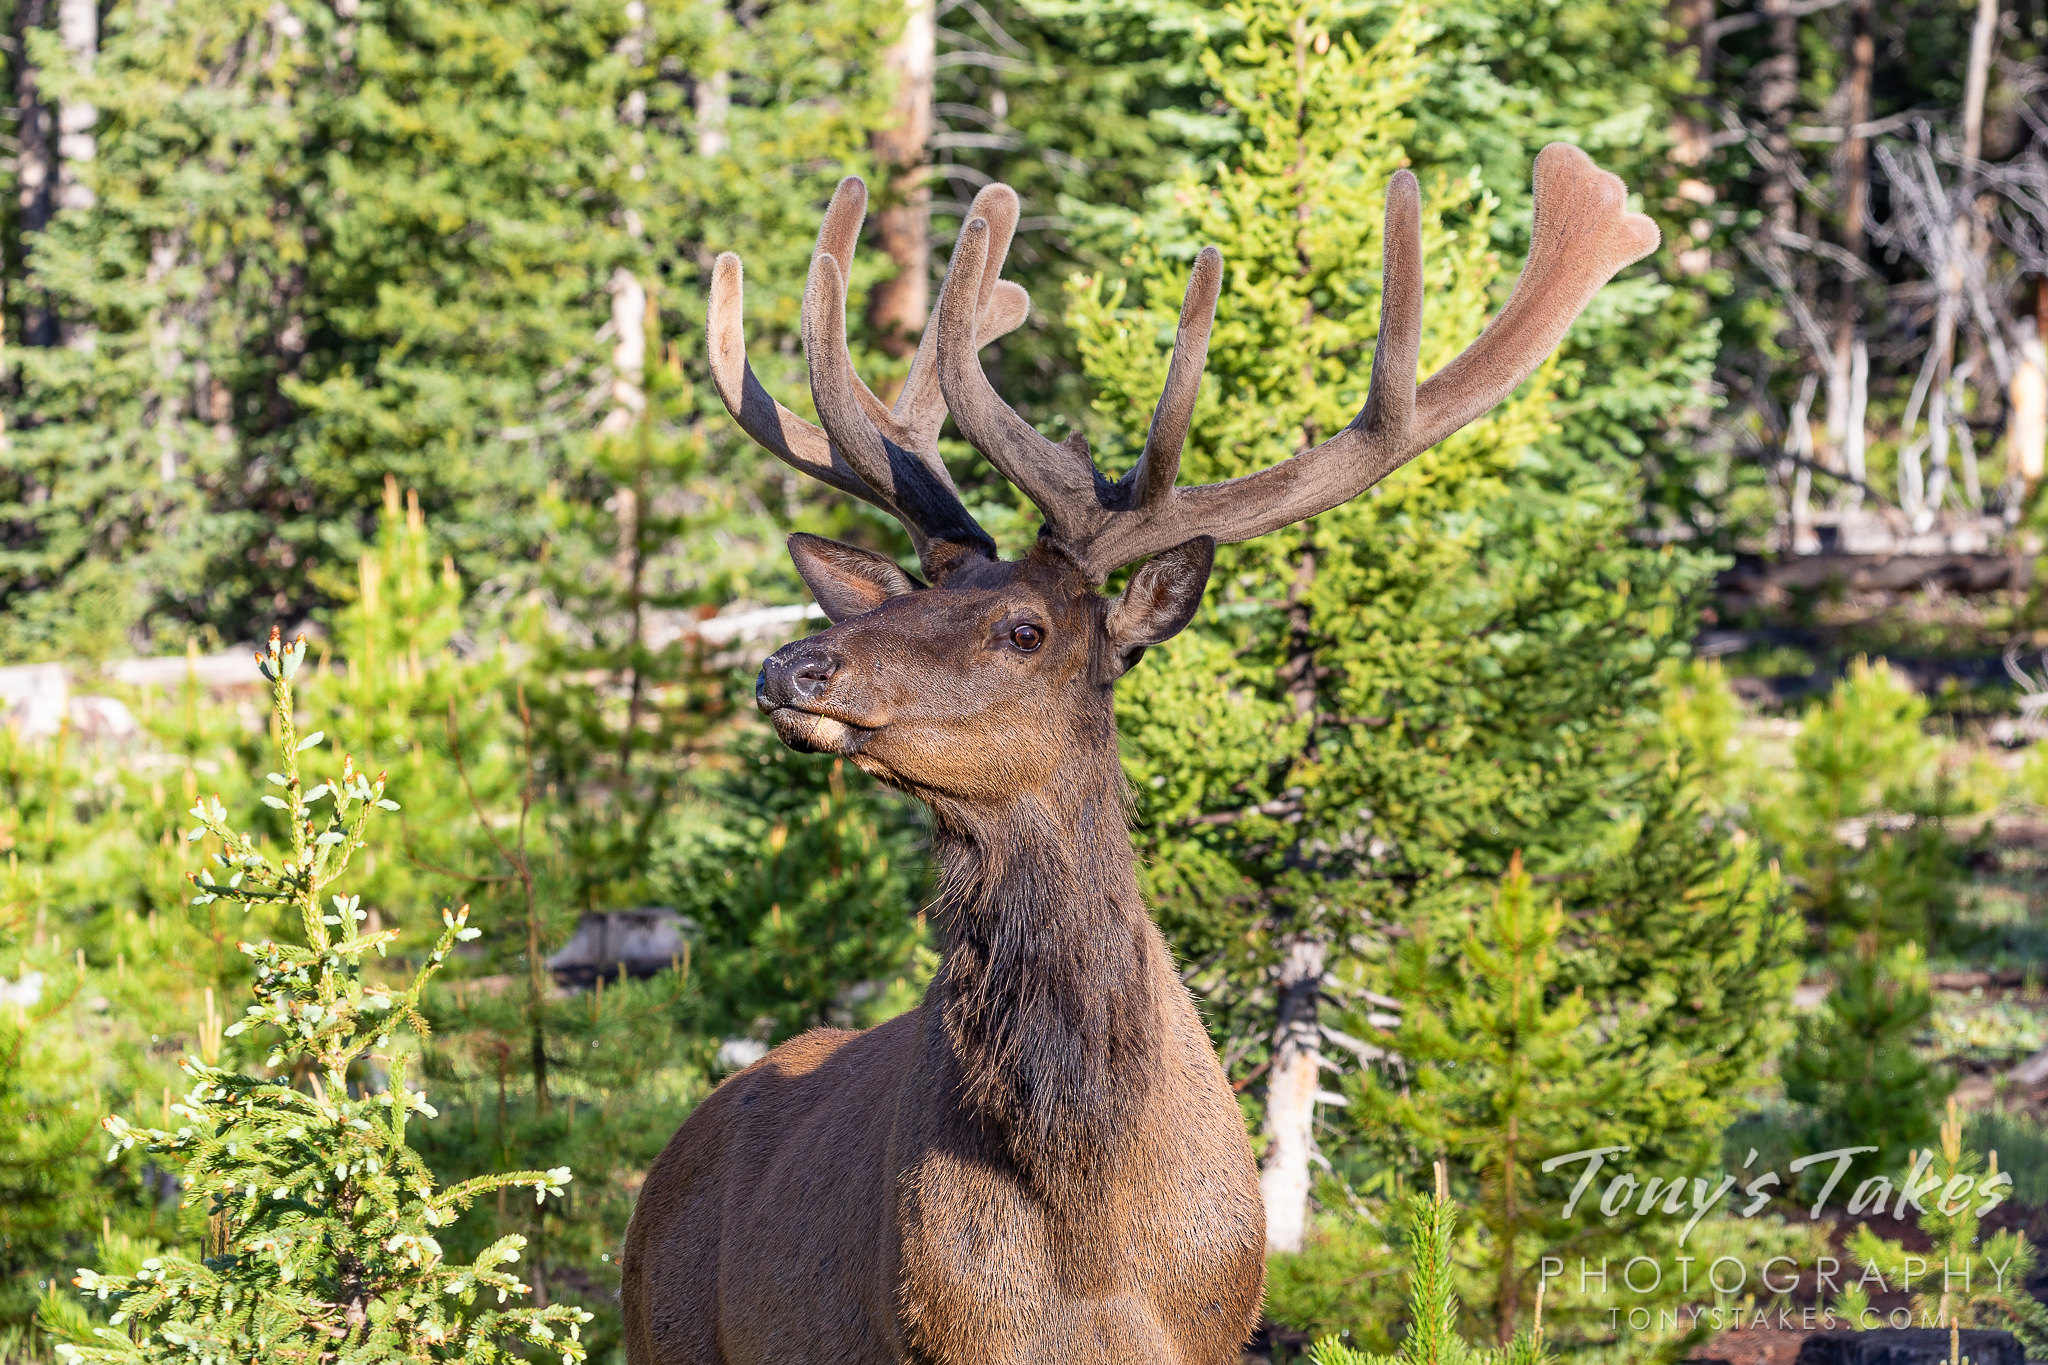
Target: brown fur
<point>1043,1162</point>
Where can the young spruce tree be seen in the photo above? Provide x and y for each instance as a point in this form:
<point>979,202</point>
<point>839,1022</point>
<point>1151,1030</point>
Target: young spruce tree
<point>322,1222</point>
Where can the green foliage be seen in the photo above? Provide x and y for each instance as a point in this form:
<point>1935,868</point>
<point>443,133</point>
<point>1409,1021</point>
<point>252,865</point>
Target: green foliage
<point>1343,1283</point>
<point>322,1219</point>
<point>2020,1142</point>
<point>807,882</point>
<point>1863,745</point>
<point>1854,1064</point>
<point>1701,732</point>
<point>1501,1074</point>
<point>1862,756</point>
<point>1962,1187</point>
<point>327,248</point>
<point>48,1190</point>
<point>1433,1311</point>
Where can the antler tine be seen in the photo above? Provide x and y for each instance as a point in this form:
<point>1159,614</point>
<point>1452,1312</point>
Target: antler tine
<point>1581,237</point>
<point>784,434</point>
<point>927,505</point>
<point>1389,411</point>
<point>861,450</point>
<point>1058,478</point>
<point>1159,464</point>
<point>838,235</point>
<point>1000,307</point>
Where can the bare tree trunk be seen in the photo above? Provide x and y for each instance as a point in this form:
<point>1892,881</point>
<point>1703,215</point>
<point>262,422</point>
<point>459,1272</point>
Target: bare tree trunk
<point>898,307</point>
<point>1691,138</point>
<point>1804,541</point>
<point>629,352</point>
<point>1292,1085</point>
<point>78,28</point>
<point>1859,401</point>
<point>713,107</point>
<point>1962,232</point>
<point>1843,399</point>
<point>1855,146</point>
<point>711,100</point>
<point>1937,434</point>
<point>1975,82</point>
<point>2026,428</point>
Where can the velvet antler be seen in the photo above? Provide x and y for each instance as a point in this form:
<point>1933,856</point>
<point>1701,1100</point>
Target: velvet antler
<point>886,456</point>
<point>1582,236</point>
<point>889,456</point>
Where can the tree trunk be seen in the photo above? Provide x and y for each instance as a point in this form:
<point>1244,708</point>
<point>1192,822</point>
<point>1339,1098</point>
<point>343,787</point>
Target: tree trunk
<point>1976,80</point>
<point>629,352</point>
<point>1691,137</point>
<point>1963,235</point>
<point>1291,1088</point>
<point>711,99</point>
<point>56,145</point>
<point>78,28</point>
<point>898,306</point>
<point>1842,397</point>
<point>2026,428</point>
<point>1508,1298</point>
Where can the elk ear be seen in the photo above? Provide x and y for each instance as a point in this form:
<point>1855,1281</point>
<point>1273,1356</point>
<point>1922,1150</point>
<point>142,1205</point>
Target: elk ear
<point>1158,602</point>
<point>847,580</point>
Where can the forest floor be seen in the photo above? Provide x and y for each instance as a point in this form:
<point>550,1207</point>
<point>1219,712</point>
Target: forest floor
<point>1991,986</point>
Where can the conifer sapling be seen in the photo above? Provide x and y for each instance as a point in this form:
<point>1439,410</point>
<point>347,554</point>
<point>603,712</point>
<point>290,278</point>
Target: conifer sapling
<point>320,1240</point>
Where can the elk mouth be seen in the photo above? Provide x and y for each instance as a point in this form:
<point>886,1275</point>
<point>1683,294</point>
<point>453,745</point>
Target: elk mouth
<point>807,732</point>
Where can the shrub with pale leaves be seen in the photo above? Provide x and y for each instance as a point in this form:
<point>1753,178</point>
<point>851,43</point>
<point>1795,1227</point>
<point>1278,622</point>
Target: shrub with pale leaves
<point>321,1219</point>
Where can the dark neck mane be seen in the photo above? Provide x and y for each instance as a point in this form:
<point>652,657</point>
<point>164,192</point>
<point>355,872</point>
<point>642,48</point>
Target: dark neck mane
<point>1048,995</point>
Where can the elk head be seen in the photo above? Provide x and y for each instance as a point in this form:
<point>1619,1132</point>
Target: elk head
<point>970,686</point>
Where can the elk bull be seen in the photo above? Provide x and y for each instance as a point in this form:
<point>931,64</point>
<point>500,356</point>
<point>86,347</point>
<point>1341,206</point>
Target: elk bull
<point>1043,1162</point>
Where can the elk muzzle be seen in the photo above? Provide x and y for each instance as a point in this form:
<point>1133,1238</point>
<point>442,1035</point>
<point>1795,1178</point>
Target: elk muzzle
<point>791,691</point>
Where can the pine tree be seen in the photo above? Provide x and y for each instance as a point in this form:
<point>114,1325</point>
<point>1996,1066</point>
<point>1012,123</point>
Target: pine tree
<point>322,1221</point>
<point>1861,752</point>
<point>1967,1187</point>
<point>1500,1073</point>
<point>49,1196</point>
<point>1854,1065</point>
<point>1433,1308</point>
<point>808,883</point>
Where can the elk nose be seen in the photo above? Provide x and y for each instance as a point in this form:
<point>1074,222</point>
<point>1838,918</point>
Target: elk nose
<point>794,674</point>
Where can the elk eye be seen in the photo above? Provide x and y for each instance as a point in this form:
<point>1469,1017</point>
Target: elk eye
<point>1027,638</point>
